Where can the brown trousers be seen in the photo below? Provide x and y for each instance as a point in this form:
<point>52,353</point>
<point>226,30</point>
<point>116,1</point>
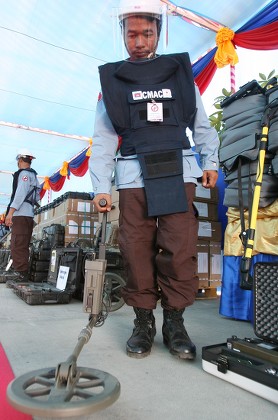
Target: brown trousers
<point>21,234</point>
<point>159,253</point>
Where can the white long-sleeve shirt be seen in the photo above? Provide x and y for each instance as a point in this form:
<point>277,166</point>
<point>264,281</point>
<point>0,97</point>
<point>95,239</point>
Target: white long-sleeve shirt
<point>104,161</point>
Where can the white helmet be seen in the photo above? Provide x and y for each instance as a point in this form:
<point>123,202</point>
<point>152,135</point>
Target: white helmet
<point>25,153</point>
<point>140,7</point>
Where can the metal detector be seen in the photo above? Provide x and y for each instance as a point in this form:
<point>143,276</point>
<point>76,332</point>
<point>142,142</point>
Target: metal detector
<point>69,390</point>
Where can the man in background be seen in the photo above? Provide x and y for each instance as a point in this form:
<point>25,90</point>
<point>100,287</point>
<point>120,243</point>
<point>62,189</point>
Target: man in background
<point>20,214</point>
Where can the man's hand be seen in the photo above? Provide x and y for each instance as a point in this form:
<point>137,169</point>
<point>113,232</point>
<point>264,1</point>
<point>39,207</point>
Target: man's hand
<point>9,217</point>
<point>209,179</point>
<point>107,198</point>
<point>8,221</point>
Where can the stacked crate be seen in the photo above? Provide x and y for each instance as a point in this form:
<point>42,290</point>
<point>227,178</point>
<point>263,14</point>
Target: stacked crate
<point>74,211</point>
<point>209,240</point>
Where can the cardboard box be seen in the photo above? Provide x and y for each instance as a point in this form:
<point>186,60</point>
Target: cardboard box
<point>37,218</point>
<point>203,283</point>
<point>211,231</point>
<point>207,211</point>
<point>206,194</point>
<point>46,215</point>
<point>215,264</point>
<point>76,205</point>
<point>209,264</point>
<point>203,263</point>
<point>77,226</point>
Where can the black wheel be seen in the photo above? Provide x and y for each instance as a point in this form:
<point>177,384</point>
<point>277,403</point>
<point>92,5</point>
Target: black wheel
<point>112,297</point>
<point>37,393</point>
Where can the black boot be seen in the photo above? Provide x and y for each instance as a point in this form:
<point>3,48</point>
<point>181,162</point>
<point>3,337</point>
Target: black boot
<point>140,343</point>
<point>175,336</point>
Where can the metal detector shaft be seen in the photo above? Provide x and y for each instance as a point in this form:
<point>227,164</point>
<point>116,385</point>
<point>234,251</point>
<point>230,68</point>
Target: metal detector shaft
<point>66,372</point>
<point>101,254</point>
<point>71,390</point>
<point>95,276</point>
<point>92,303</point>
<point>83,338</point>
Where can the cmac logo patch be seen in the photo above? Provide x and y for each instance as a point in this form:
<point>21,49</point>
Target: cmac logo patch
<point>140,95</point>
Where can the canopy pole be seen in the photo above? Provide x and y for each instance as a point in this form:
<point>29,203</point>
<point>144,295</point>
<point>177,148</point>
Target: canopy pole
<point>233,78</point>
<point>40,130</point>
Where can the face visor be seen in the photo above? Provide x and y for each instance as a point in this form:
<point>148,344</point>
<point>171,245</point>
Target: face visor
<point>140,33</point>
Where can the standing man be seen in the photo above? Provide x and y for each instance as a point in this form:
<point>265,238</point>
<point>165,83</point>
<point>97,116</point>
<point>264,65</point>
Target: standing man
<point>20,213</point>
<point>148,102</point>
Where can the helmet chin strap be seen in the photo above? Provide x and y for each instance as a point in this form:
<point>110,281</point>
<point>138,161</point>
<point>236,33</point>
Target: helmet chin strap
<point>153,53</point>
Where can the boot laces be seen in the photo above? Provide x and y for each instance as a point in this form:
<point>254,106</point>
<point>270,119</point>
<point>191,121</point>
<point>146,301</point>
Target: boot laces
<point>144,320</point>
<point>175,315</point>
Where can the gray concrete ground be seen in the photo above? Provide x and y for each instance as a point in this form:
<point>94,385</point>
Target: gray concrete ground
<point>159,386</point>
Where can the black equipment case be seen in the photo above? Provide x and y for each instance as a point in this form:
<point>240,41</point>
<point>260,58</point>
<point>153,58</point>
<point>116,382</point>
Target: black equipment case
<point>265,290</point>
<point>68,259</point>
<point>252,363</point>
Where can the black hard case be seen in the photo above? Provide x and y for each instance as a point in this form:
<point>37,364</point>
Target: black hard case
<point>252,364</point>
<point>254,371</point>
<point>266,301</point>
<point>54,234</point>
<point>47,292</point>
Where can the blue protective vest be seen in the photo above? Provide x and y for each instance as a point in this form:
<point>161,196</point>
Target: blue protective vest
<point>128,88</point>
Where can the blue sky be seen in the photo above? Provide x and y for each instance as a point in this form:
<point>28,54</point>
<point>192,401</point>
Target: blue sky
<point>50,53</point>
